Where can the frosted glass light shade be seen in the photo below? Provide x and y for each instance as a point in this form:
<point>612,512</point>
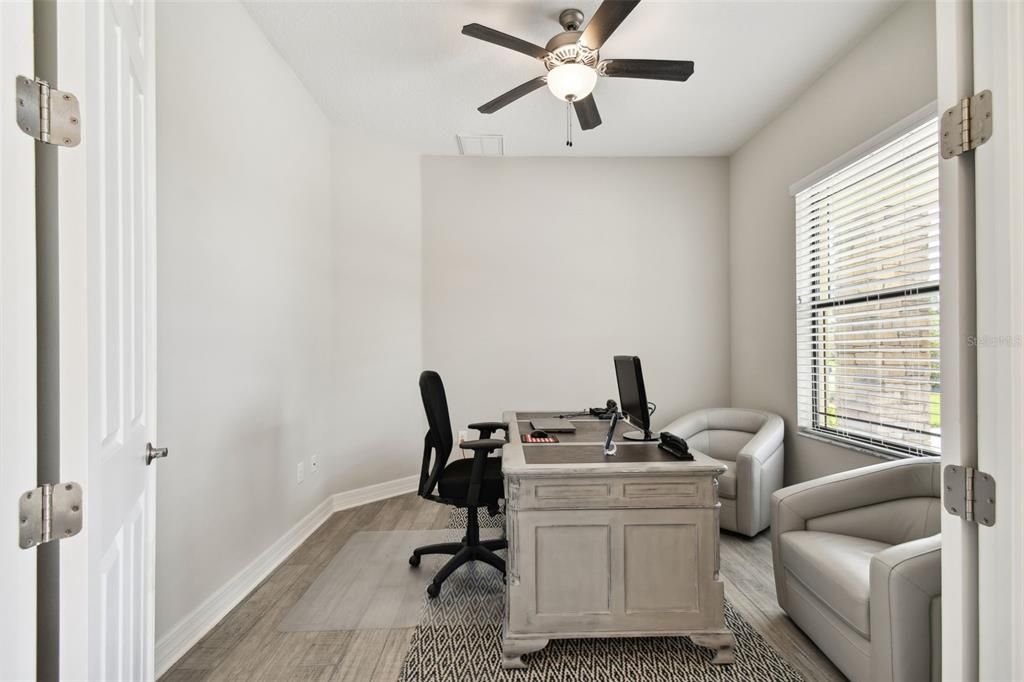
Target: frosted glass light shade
<point>571,82</point>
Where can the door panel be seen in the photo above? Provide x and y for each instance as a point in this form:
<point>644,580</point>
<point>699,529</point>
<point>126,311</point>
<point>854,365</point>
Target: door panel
<point>108,300</point>
<point>17,350</point>
<point>119,341</point>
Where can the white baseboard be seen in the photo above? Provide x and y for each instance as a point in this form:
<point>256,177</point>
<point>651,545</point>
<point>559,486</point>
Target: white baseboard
<point>195,625</point>
<point>372,493</point>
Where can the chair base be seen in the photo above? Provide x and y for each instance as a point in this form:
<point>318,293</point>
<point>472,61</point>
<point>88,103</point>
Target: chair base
<point>472,548</point>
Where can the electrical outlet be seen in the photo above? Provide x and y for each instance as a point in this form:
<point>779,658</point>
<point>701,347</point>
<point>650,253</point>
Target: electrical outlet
<point>314,463</point>
<point>463,437</point>
<point>300,472</point>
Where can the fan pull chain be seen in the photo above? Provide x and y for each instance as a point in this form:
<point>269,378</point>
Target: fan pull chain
<point>568,124</point>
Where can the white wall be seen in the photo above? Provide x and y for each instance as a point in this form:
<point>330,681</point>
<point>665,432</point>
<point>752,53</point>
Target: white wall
<point>246,301</point>
<point>376,191</point>
<point>538,271</point>
<point>886,77</point>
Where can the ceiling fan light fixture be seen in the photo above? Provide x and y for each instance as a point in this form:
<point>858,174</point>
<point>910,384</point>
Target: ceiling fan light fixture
<point>571,82</point>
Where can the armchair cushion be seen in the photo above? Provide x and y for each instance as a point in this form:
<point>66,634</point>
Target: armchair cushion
<point>835,569</point>
<point>891,522</point>
<point>721,444</point>
<point>792,507</point>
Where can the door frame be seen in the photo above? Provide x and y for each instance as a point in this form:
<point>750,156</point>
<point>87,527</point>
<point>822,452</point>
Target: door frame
<point>955,79</point>
<point>18,417</point>
<point>75,581</point>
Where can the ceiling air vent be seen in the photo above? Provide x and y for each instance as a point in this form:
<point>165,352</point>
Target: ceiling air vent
<point>481,145</point>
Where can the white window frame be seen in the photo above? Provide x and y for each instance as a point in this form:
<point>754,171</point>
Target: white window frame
<point>914,120</point>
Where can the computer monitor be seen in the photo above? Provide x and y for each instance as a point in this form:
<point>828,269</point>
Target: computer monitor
<point>633,397</point>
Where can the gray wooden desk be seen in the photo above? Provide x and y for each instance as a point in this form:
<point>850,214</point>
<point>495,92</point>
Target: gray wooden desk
<point>623,546</point>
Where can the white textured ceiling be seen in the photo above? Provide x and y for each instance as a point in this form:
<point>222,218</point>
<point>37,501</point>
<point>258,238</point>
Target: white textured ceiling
<point>403,71</point>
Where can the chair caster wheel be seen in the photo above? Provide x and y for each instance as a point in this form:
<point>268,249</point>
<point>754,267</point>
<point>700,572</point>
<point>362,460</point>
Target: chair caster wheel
<point>433,589</point>
<point>414,560</point>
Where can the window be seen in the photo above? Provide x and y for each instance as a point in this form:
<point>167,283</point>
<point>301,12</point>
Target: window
<point>867,292</point>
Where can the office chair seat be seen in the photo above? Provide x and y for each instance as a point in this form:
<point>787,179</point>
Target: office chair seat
<point>454,482</point>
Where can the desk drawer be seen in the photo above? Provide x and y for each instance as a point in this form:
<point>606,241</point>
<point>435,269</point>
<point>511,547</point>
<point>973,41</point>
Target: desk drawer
<point>675,489</point>
<point>616,492</point>
<point>571,491</point>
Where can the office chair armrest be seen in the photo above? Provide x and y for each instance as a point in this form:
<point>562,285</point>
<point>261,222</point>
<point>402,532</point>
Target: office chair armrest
<point>487,428</point>
<point>486,445</point>
<point>481,449</point>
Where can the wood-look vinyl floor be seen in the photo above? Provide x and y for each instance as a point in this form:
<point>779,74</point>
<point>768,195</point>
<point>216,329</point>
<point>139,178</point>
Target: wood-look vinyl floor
<point>247,645</point>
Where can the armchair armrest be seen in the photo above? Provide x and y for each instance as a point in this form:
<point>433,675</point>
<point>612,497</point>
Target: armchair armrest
<point>759,469</point>
<point>765,442</point>
<point>906,585</point>
<point>792,507</point>
<point>487,428</point>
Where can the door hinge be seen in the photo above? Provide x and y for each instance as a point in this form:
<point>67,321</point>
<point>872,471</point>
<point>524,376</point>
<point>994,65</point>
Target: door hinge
<point>966,125</point>
<point>47,114</point>
<point>969,494</point>
<point>50,512</point>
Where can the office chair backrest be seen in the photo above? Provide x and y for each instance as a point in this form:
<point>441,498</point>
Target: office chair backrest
<point>439,437</point>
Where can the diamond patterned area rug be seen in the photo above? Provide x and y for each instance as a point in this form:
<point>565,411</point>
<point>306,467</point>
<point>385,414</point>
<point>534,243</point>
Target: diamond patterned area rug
<point>459,639</point>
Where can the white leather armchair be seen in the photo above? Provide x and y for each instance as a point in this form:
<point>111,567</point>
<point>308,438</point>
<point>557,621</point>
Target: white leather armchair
<point>749,444</point>
<point>857,560</point>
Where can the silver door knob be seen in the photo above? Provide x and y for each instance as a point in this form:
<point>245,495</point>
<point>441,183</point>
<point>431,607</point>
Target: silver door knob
<point>154,453</point>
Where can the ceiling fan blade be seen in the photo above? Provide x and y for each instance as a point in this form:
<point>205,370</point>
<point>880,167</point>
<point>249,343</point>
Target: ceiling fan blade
<point>586,112</point>
<point>653,69</point>
<point>512,95</point>
<point>606,19</point>
<point>505,40</point>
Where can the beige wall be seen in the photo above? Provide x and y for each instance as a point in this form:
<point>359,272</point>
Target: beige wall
<point>888,76</point>
<point>538,271</point>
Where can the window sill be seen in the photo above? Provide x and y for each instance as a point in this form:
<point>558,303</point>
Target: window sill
<point>879,452</point>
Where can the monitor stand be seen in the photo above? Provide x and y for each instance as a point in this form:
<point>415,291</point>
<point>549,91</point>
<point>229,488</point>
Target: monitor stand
<point>642,435</point>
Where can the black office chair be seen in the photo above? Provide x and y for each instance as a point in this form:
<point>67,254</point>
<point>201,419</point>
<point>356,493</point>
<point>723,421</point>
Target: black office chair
<point>468,483</point>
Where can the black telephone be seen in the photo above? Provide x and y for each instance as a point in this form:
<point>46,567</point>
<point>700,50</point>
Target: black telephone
<point>675,446</point>
<point>610,409</point>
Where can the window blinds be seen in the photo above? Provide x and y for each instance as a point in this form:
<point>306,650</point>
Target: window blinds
<point>867,294</point>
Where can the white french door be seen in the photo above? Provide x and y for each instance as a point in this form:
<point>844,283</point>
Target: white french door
<point>108,339</point>
<point>981,47</point>
<point>17,349</point>
<point>998,29</point>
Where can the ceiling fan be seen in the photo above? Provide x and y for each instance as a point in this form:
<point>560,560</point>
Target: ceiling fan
<point>573,61</point>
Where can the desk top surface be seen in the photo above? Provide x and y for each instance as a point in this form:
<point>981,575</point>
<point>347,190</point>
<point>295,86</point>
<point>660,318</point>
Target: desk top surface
<point>582,452</point>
